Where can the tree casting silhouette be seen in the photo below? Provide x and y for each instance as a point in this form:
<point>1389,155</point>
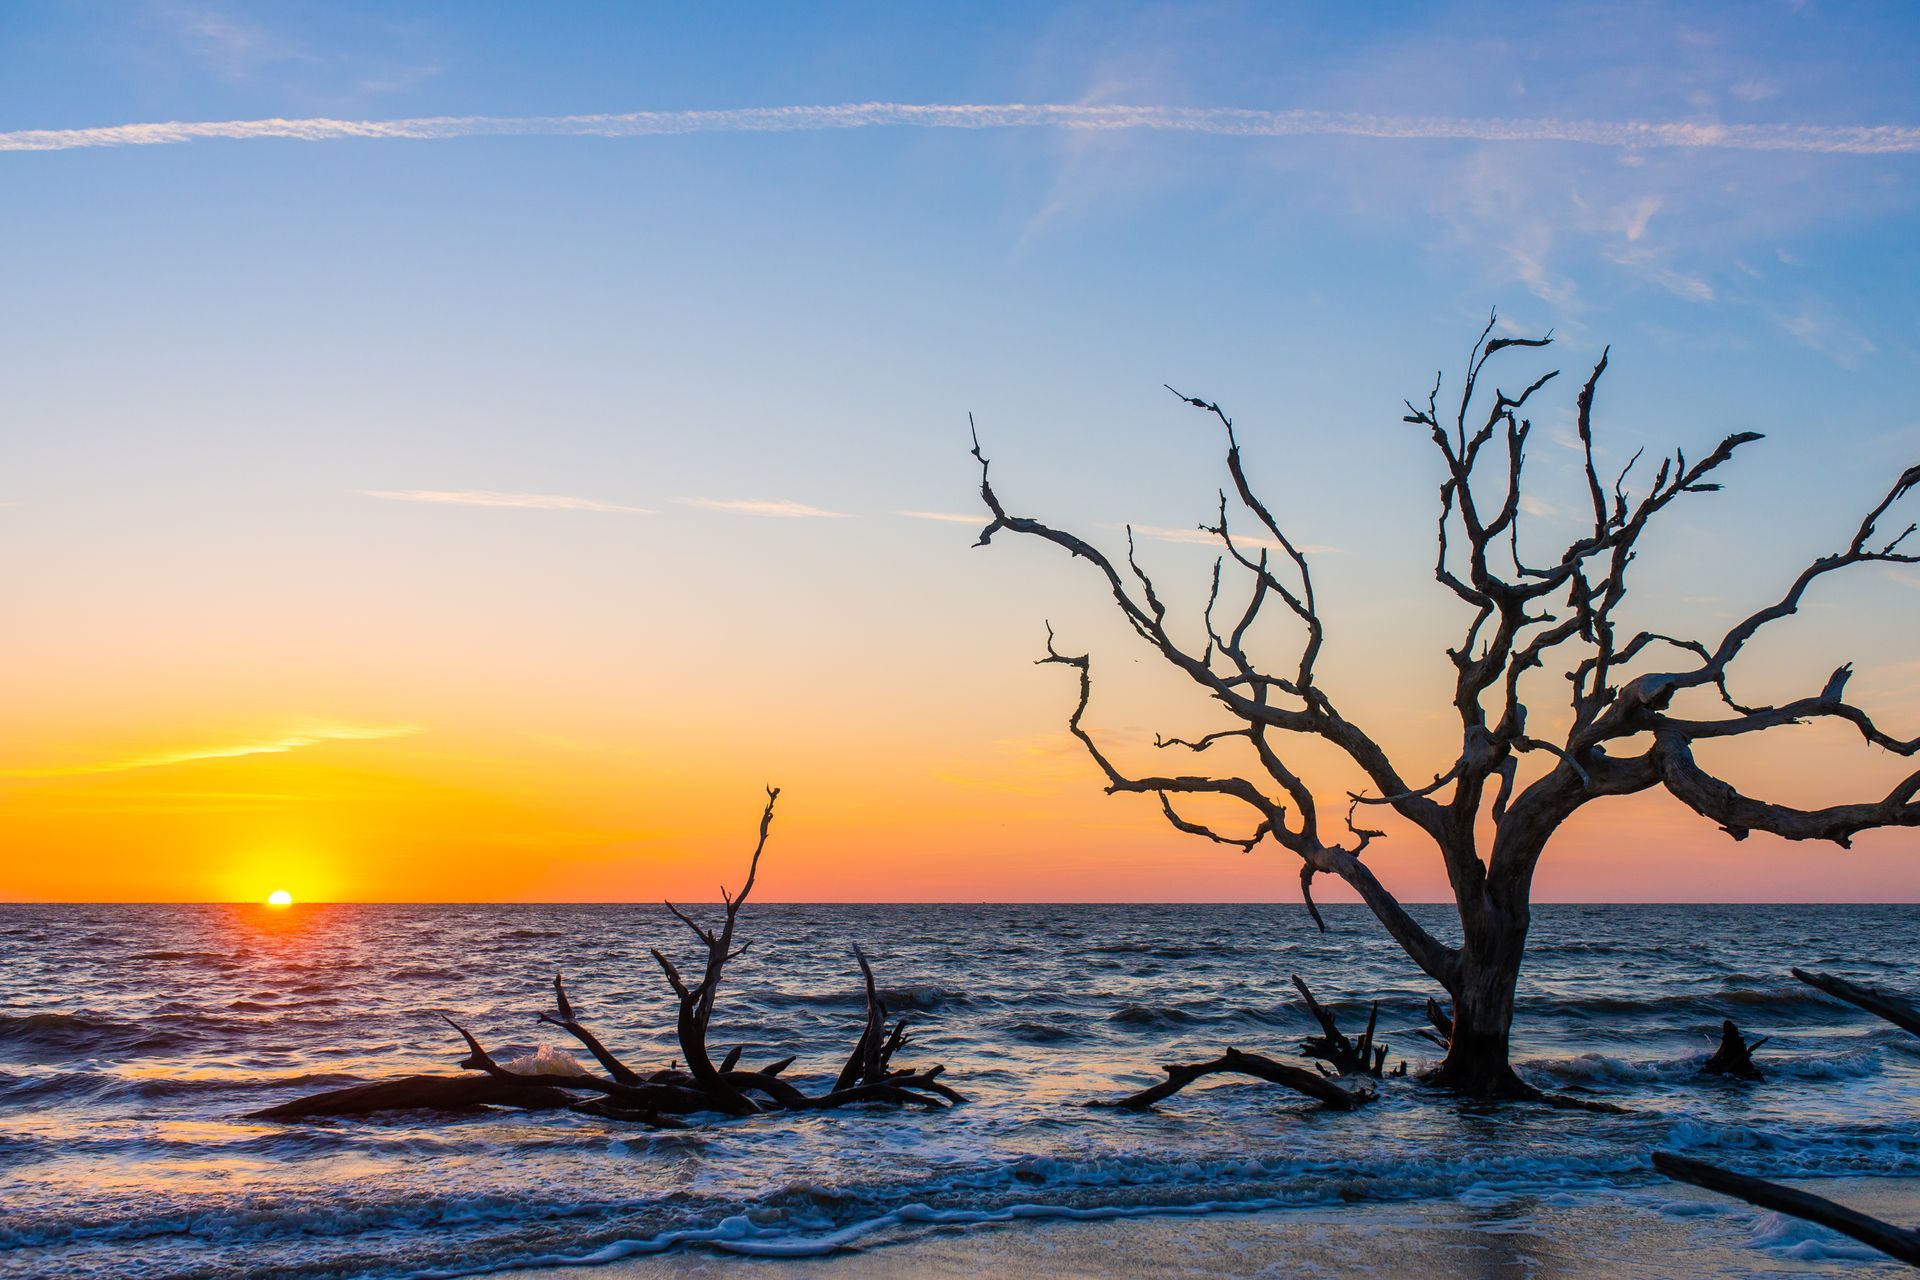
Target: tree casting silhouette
<point>1489,825</point>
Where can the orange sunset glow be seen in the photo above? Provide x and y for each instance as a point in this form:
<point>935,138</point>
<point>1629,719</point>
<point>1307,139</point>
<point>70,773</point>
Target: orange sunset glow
<point>862,641</point>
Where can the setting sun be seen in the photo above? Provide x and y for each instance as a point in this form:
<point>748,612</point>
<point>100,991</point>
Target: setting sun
<point>279,898</point>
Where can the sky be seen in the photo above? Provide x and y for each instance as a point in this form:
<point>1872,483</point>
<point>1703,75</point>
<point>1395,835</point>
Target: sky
<point>463,452</point>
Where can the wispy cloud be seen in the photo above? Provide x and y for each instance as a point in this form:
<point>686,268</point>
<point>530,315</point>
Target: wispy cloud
<point>1833,338</point>
<point>489,498</point>
<point>949,517</point>
<point>1220,121</point>
<point>312,737</point>
<point>759,507</point>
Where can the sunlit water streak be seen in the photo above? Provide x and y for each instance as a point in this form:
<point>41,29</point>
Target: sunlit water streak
<point>133,1038</point>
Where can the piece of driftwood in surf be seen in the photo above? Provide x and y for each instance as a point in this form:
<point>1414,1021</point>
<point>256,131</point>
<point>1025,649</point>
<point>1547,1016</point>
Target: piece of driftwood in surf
<point>656,1098</point>
<point>1900,1013</point>
<point>1345,1057</point>
<point>1897,1242</point>
<point>1734,1056</point>
<point>1362,1057</point>
<point>1233,1061</point>
<point>421,1093</point>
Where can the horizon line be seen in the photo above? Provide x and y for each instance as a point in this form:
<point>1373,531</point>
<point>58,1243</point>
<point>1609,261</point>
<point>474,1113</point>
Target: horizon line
<point>1884,139</point>
<point>922,902</point>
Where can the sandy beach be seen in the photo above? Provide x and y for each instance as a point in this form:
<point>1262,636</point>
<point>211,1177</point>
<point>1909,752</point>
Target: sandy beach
<point>1645,1234</point>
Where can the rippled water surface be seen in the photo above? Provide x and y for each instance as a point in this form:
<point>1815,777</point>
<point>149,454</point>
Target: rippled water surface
<point>133,1040</point>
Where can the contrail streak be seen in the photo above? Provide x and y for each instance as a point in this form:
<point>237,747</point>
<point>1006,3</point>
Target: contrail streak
<point>1217,121</point>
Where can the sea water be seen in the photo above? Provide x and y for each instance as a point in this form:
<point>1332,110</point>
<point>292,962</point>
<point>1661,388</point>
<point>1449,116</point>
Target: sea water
<point>134,1040</point>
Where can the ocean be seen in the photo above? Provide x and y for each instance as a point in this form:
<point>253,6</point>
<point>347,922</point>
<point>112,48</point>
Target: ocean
<point>133,1039</point>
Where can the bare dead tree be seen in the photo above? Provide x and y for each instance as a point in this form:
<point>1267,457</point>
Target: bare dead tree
<point>1489,825</point>
<point>657,1097</point>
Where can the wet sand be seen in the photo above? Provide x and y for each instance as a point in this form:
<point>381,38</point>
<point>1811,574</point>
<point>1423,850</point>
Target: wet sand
<point>1646,1233</point>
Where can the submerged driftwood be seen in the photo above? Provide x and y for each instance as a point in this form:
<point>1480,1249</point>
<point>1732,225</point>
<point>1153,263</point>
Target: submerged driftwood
<point>1360,1057</point>
<point>1898,1242</point>
<point>1299,1079</point>
<point>1900,1013</point>
<point>1734,1057</point>
<point>1348,1058</point>
<point>421,1093</point>
<point>657,1097</point>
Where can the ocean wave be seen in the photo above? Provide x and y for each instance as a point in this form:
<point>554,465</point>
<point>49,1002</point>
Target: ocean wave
<point>425,973</point>
<point>909,999</point>
<point>1803,1149</point>
<point>1601,1068</point>
<point>1793,1003</point>
<point>1154,1016</point>
<point>921,999</point>
<point>42,1036</point>
<point>1027,1028</point>
<point>1786,1237</point>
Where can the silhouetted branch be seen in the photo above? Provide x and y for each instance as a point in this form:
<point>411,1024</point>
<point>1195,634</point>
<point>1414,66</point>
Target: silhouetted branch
<point>1528,609</point>
<point>653,1099</point>
<point>1299,1079</point>
<point>1896,1242</point>
<point>1899,1012</point>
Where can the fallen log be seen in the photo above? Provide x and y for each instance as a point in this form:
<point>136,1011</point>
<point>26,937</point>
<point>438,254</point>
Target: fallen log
<point>1734,1057</point>
<point>1897,1242</point>
<point>1311,1083</point>
<point>421,1093</point>
<point>1875,1001</point>
<point>656,1098</point>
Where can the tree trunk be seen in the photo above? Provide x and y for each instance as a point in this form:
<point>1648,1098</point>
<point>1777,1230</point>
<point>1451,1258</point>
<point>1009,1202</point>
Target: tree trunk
<point>1477,1051</point>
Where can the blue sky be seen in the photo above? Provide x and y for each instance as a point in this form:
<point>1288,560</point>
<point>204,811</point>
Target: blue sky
<point>218,350</point>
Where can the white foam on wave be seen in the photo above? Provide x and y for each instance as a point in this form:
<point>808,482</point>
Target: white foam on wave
<point>738,1235</point>
<point>547,1060</point>
<point>1786,1237</point>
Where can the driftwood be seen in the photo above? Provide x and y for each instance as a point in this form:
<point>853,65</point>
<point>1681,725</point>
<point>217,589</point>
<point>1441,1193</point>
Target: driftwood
<point>421,1093</point>
<point>1360,1057</point>
<point>1442,1033</point>
<point>1299,1079</point>
<point>655,1098</point>
<point>1347,1058</point>
<point>1895,1010</point>
<point>1898,1242</point>
<point>1538,603</point>
<point>1734,1057</point>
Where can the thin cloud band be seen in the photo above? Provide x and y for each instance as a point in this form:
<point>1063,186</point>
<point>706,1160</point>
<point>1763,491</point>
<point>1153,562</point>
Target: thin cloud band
<point>1221,121</point>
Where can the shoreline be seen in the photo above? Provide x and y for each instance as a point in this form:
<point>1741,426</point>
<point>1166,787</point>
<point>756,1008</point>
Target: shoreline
<point>1553,1235</point>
